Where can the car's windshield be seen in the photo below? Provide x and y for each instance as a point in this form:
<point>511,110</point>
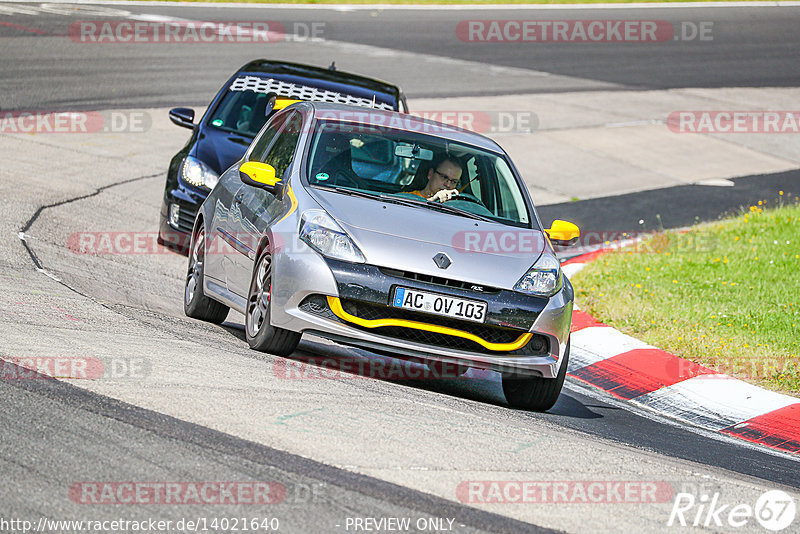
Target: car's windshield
<point>384,161</point>
<point>241,112</point>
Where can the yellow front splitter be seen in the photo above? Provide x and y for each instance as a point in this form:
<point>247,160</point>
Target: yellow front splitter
<point>336,307</point>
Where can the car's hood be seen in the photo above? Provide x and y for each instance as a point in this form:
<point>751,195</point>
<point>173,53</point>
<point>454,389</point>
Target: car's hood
<point>219,150</point>
<point>408,238</point>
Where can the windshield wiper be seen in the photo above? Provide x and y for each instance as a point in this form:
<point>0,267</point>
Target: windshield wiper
<point>346,191</point>
<point>438,206</point>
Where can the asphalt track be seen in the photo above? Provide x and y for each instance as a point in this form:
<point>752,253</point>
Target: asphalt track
<point>751,47</point>
<point>671,207</point>
<point>209,409</point>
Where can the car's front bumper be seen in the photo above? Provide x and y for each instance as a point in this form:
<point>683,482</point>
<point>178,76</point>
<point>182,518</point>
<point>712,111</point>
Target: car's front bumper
<point>348,303</point>
<point>175,232</point>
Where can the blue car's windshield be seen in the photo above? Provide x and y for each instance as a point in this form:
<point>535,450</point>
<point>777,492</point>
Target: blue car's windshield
<point>241,112</point>
<point>381,161</point>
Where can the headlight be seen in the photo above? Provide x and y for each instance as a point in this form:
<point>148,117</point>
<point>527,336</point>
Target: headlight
<point>198,173</point>
<point>325,236</point>
<point>544,279</point>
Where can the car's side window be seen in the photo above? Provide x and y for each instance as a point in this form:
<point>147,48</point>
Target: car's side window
<point>265,139</point>
<point>281,152</point>
<point>513,205</point>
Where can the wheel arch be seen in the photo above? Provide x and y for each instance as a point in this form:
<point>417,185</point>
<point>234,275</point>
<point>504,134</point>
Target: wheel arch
<point>265,243</point>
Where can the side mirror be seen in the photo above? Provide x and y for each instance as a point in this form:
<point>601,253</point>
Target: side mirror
<point>563,233</point>
<point>183,117</point>
<point>270,106</point>
<point>257,174</point>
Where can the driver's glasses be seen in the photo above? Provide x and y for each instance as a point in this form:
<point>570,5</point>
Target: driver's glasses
<point>452,182</point>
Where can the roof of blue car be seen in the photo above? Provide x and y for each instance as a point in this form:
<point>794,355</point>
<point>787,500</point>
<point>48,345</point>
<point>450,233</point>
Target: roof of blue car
<point>325,79</point>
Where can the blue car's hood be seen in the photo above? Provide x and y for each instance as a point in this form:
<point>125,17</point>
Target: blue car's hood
<point>218,149</point>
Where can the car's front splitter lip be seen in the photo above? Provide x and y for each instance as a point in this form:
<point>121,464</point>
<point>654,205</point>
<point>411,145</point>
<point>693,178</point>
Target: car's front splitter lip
<point>544,365</point>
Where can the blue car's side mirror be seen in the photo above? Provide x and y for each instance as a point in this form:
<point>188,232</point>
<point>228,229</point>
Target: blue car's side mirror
<point>182,117</point>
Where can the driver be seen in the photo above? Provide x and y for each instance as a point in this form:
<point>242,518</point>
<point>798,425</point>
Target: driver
<point>443,177</point>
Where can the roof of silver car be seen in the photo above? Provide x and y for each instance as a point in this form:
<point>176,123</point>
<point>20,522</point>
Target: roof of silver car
<point>402,121</point>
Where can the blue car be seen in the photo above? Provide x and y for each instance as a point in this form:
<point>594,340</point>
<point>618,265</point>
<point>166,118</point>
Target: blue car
<point>236,115</point>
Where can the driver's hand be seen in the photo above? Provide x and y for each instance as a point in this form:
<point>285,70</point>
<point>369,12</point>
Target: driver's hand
<point>444,195</point>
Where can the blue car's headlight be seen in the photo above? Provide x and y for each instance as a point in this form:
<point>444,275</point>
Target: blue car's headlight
<point>323,234</point>
<point>198,173</point>
<point>544,279</point>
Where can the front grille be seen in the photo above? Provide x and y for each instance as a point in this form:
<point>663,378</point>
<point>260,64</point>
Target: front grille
<point>318,305</point>
<point>492,334</point>
<point>439,281</point>
<point>186,218</point>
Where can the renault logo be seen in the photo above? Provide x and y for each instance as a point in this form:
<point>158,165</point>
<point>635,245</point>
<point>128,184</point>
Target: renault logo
<point>442,261</point>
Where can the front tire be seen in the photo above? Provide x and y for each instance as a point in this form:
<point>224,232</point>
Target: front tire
<point>261,335</point>
<point>195,303</point>
<point>535,393</point>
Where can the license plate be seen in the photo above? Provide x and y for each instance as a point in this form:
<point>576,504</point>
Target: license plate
<point>412,299</point>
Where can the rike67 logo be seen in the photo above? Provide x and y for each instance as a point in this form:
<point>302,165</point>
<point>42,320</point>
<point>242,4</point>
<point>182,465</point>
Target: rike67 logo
<point>774,510</point>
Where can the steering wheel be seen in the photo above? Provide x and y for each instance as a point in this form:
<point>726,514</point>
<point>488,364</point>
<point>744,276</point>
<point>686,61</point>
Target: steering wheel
<point>342,177</point>
<point>468,198</point>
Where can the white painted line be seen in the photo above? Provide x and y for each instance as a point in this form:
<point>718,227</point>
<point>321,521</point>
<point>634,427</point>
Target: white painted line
<point>714,402</point>
<point>145,17</point>
<point>716,182</point>
<point>49,275</point>
<point>597,343</point>
<point>627,124</point>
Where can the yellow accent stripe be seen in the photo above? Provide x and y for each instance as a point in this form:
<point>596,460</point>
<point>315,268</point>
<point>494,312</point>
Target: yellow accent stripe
<point>336,307</point>
<point>282,102</point>
<point>293,200</point>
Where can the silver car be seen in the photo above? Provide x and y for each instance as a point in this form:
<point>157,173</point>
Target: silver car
<point>327,226</point>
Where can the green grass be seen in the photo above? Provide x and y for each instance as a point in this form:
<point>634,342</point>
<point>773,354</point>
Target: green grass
<point>725,295</point>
